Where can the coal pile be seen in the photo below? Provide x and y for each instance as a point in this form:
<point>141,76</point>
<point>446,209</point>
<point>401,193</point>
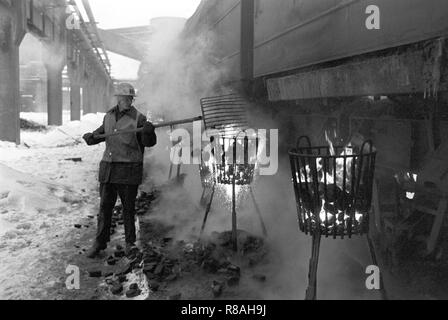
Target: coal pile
<point>143,202</point>
<point>170,266</point>
<point>166,261</point>
<point>214,255</point>
<point>120,264</point>
<point>120,267</point>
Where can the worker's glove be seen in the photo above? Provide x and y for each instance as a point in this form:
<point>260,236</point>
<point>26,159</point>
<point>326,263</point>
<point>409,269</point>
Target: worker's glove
<point>149,138</point>
<point>88,137</point>
<point>148,128</point>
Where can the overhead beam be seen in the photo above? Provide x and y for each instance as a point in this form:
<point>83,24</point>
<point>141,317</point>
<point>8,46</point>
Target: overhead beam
<point>92,25</point>
<point>142,33</point>
<point>121,45</point>
<point>415,69</point>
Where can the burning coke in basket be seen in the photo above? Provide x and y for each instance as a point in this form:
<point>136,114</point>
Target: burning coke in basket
<point>333,190</point>
<point>232,161</point>
<point>230,166</point>
<point>333,187</point>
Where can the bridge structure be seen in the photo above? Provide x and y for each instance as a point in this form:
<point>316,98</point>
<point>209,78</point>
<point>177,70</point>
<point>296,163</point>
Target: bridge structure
<point>69,42</point>
<point>75,55</point>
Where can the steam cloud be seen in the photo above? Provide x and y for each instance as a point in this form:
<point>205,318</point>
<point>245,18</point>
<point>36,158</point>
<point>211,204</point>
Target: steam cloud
<point>173,79</point>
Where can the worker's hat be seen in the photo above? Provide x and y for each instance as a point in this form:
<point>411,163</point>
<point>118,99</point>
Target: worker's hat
<point>125,89</point>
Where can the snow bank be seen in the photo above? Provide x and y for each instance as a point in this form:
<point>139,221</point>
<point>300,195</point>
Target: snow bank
<point>21,192</point>
<point>7,145</point>
<point>42,117</point>
<point>68,134</point>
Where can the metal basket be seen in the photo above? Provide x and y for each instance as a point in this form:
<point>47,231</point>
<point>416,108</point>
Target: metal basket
<point>333,188</point>
<point>230,172</point>
<point>224,172</point>
<point>227,114</point>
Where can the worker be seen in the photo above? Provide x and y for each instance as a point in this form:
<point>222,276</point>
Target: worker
<point>121,169</point>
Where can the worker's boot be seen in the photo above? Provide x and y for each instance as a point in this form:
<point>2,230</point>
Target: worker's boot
<point>95,250</point>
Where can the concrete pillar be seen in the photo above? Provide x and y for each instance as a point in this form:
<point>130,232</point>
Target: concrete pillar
<point>54,95</point>
<point>75,101</point>
<point>106,100</point>
<point>102,96</point>
<point>93,98</point>
<point>10,80</point>
<point>101,106</point>
<point>41,96</point>
<point>96,98</point>
<point>86,98</point>
<point>101,89</point>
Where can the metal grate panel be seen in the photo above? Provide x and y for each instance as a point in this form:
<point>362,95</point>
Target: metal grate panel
<point>226,114</point>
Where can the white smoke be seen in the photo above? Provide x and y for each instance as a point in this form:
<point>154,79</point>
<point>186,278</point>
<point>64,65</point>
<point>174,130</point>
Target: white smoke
<point>176,73</point>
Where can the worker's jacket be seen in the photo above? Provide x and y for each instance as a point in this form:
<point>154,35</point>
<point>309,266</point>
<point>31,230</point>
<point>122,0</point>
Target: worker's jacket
<point>122,161</point>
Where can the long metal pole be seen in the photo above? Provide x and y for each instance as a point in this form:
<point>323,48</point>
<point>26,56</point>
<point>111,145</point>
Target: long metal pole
<point>201,202</point>
<point>158,125</point>
<point>171,162</point>
<point>180,163</point>
<point>257,209</point>
<point>207,211</point>
<point>234,224</point>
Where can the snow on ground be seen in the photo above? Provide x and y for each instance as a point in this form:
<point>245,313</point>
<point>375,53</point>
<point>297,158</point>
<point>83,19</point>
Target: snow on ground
<point>24,194</point>
<point>43,194</point>
<point>69,133</point>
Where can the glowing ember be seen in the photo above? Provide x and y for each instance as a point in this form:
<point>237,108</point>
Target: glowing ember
<point>413,178</point>
<point>229,170</point>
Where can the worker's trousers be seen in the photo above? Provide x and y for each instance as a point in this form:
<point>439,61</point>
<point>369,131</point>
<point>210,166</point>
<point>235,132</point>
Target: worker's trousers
<point>108,193</point>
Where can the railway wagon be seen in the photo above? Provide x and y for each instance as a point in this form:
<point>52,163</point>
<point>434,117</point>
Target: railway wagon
<point>350,67</point>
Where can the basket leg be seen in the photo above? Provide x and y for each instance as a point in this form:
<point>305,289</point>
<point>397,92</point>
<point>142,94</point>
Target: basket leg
<point>234,222</point>
<point>171,163</point>
<point>257,209</point>
<point>178,170</point>
<point>171,171</point>
<point>375,262</point>
<point>311,292</point>
<point>180,163</point>
<point>202,201</point>
<point>207,210</point>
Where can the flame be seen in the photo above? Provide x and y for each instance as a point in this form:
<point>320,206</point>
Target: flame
<point>411,177</point>
<point>329,177</point>
<point>330,143</point>
<point>223,175</point>
<point>329,215</point>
